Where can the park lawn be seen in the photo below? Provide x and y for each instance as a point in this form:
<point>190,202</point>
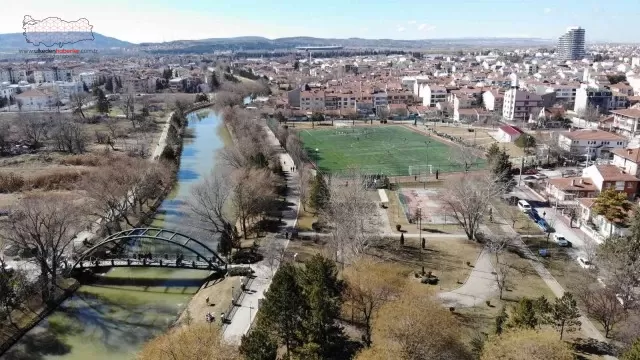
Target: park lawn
<point>306,218</point>
<point>397,216</point>
<point>523,223</point>
<point>375,149</point>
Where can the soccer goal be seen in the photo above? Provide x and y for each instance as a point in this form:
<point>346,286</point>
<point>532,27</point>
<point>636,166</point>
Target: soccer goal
<point>420,170</point>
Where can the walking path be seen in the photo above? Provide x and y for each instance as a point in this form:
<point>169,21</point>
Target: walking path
<point>479,287</point>
<point>264,270</point>
<point>587,327</point>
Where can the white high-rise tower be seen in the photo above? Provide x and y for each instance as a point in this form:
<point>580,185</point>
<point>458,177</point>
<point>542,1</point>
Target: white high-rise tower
<point>571,44</point>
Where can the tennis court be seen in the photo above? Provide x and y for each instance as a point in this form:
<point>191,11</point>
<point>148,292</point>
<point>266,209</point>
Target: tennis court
<point>388,150</point>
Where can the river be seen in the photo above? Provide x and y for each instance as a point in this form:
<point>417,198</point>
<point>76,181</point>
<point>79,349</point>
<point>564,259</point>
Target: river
<point>113,318</point>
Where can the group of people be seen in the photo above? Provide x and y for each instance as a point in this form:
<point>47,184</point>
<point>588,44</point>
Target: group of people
<point>211,318</point>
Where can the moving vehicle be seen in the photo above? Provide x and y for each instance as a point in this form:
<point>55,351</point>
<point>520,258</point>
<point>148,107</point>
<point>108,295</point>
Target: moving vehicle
<point>560,239</point>
<point>524,206</point>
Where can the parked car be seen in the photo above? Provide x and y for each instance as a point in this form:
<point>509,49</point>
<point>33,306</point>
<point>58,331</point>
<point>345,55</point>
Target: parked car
<point>524,206</point>
<point>541,176</point>
<point>530,171</point>
<point>560,239</point>
<point>585,263</point>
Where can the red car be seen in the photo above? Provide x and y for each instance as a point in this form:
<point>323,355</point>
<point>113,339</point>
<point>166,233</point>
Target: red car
<point>530,172</point>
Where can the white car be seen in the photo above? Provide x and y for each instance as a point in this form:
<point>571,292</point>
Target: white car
<point>585,263</point>
<point>560,239</point>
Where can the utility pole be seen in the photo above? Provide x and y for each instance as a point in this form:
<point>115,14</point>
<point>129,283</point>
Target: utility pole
<point>521,168</point>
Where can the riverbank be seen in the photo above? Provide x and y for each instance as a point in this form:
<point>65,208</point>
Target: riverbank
<point>113,317</point>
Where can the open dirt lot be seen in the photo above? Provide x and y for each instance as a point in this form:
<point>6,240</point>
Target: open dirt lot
<point>480,136</point>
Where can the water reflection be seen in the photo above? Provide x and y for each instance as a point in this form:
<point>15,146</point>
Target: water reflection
<point>113,317</point>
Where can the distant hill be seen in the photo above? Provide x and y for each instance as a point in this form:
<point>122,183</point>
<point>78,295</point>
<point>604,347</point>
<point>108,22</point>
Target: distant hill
<point>17,41</point>
<point>249,43</point>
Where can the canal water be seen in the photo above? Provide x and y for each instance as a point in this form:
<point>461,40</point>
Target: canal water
<point>113,318</point>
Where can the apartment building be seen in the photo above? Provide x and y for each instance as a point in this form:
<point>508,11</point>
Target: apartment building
<point>493,100</point>
<point>433,94</point>
<point>590,144</point>
<point>33,100</point>
<point>571,44</point>
<point>44,76</point>
<point>146,85</point>
<point>627,160</point>
<point>520,105</point>
<point>314,100</point>
<point>597,97</point>
<point>625,122</point>
<point>88,78</point>
<point>563,93</point>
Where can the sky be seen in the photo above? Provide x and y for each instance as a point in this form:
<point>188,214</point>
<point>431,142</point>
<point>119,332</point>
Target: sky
<point>165,20</point>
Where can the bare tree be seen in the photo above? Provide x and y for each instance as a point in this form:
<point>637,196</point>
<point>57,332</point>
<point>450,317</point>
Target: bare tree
<point>209,204</point>
<point>589,113</point>
<point>305,184</point>
<point>603,305</point>
<point>44,225</point>
<point>253,192</point>
<point>467,199</point>
<point>5,132</point>
<point>78,101</point>
<point>503,269</point>
<point>69,135</point>
<point>33,128</point>
<point>127,105</point>
<point>351,217</point>
<point>296,150</point>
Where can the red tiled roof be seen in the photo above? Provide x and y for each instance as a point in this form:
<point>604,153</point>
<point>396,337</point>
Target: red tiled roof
<point>511,130</point>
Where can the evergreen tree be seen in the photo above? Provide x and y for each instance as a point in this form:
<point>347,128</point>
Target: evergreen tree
<point>109,84</point>
<point>319,196</point>
<point>613,205</point>
<point>284,308</point>
<point>214,83</point>
<point>167,74</point>
<point>103,104</point>
<point>258,345</point>
<point>565,314</point>
<point>524,315</point>
<point>633,353</point>
<point>85,87</point>
<point>501,319</point>
<point>501,169</point>
<point>322,289</point>
<point>493,152</point>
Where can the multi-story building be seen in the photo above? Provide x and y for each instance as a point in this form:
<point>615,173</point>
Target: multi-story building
<point>571,44</point>
<point>32,100</point>
<point>493,100</point>
<point>433,94</point>
<point>564,93</point>
<point>88,78</point>
<point>44,76</point>
<point>590,143</point>
<point>520,105</point>
<point>626,122</point>
<point>314,100</point>
<point>63,74</point>
<point>146,85</point>
<point>597,97</point>
<point>627,160</point>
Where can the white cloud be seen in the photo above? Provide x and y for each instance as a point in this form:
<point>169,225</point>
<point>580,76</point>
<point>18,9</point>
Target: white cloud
<point>411,22</point>
<point>401,28</point>
<point>547,10</point>
<point>426,27</point>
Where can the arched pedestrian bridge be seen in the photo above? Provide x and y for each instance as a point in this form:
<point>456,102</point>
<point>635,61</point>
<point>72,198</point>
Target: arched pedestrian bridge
<point>148,247</point>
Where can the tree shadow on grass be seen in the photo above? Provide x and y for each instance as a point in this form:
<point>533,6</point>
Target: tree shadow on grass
<point>35,345</point>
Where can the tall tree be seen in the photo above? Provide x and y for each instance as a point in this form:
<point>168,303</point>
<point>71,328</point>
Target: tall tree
<point>565,314</point>
<point>189,342</point>
<point>467,199</point>
<point>38,226</point>
<point>403,331</point>
<point>613,205</point>
<point>78,101</point>
<point>109,84</point>
<point>370,285</point>
<point>284,308</point>
<point>103,104</point>
<point>258,344</point>
<point>492,153</point>
<point>501,168</point>
<point>319,196</point>
<point>603,306</point>
<point>323,290</point>
<point>526,344</point>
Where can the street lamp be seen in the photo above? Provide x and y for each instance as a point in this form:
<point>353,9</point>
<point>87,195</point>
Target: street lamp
<point>232,297</point>
<point>317,150</point>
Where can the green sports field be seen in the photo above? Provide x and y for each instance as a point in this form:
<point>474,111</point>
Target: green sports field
<point>388,150</point>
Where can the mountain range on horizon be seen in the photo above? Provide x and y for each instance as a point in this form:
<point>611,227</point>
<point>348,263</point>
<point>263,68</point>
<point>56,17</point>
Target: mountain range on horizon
<point>17,41</point>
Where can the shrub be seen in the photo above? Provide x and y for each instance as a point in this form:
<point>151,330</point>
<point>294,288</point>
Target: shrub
<point>54,181</point>
<point>240,271</point>
<point>11,183</point>
<point>398,227</point>
<point>82,160</point>
<point>246,257</point>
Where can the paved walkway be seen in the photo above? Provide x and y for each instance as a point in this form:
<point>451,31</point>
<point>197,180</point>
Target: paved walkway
<point>265,269</point>
<point>588,329</point>
<point>480,285</point>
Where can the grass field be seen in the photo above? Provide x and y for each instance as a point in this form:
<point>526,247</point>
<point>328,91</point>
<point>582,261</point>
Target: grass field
<point>389,150</point>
